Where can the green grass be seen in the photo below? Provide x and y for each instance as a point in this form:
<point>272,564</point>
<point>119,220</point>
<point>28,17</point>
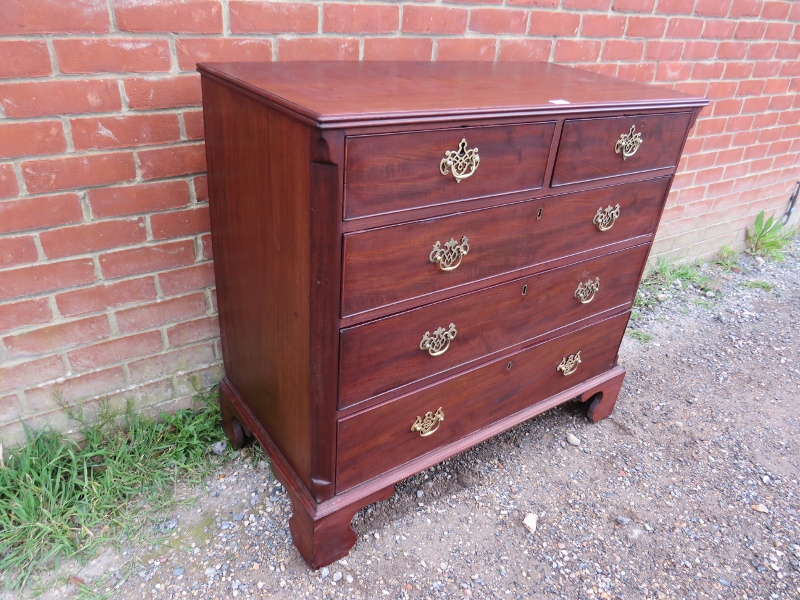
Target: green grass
<point>60,499</point>
<point>760,285</point>
<point>769,237</point>
<point>727,259</point>
<point>662,279</point>
<point>641,336</point>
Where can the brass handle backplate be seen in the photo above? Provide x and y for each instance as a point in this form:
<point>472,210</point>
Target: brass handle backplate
<point>569,364</point>
<point>449,257</point>
<point>428,424</point>
<point>605,218</point>
<point>628,143</point>
<point>439,342</point>
<point>586,291</point>
<point>462,162</point>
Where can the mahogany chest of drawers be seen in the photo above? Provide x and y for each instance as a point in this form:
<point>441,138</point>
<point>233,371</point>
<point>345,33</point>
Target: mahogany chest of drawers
<point>413,257</point>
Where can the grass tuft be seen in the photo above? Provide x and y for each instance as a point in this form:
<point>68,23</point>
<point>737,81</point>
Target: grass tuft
<point>60,499</point>
<point>769,237</point>
<point>640,336</point>
<point>759,285</point>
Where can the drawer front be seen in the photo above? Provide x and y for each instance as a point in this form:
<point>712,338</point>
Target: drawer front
<point>392,172</point>
<point>596,148</point>
<point>385,354</point>
<point>384,266</point>
<point>382,438</point>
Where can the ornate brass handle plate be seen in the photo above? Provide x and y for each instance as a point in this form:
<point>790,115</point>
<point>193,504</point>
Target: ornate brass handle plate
<point>462,162</point>
<point>628,143</point>
<point>449,257</point>
<point>605,218</point>
<point>439,342</point>
<point>569,364</point>
<point>428,424</point>
<point>586,291</point>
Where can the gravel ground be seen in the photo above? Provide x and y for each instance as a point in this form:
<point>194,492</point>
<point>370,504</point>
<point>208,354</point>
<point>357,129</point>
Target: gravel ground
<point>689,490</point>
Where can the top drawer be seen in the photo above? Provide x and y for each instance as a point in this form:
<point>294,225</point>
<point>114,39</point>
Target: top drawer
<point>399,171</point>
<point>598,148</point>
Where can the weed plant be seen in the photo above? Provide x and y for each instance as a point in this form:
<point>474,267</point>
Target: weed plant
<point>60,499</point>
<point>768,237</point>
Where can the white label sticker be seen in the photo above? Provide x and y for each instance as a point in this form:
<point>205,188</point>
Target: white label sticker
<point>558,101</point>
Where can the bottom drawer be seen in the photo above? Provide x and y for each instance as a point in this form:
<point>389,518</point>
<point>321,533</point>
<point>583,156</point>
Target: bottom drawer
<point>384,437</point>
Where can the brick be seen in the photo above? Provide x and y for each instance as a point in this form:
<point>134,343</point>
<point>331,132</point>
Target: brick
<point>114,351</point>
<point>200,188</point>
<point>718,29</point>
<point>712,8</point>
<point>59,97</point>
<point>8,182</point>
<point>641,71</point>
<point>794,12</point>
<point>360,18</point>
<point>761,51</point>
<point>146,259</point>
<point>75,389</point>
<point>525,50</point>
<point>193,124</point>
<point>627,50</point>
<point>675,7</point>
<point>737,70</point>
<point>498,20</point>
<point>745,8</point>
<point>684,28</point>
<point>646,27</point>
<point>30,373</point>
<point>603,25</point>
<point>588,4</point>
<point>98,55</point>
<point>466,49</point>
<point>161,312</point>
<point>172,161</point>
<point>91,237</point>
<point>194,16</point>
<point>17,250</point>
<point>699,50</point>
<point>775,9</point>
<point>58,337</point>
<point>673,71</point>
<point>205,240</point>
<point>576,50</point>
<point>38,279</point>
<point>30,138</point>
<point>694,88</point>
<point>788,52</point>
<point>10,410</point>
<point>730,106</point>
<point>22,314</point>
<point>170,363</point>
<point>24,59</point>
<point>24,17</point>
<point>663,50</point>
<point>188,279</point>
<point>140,198</point>
<point>398,48</point>
<point>741,123</point>
<point>47,175</point>
<point>193,331</point>
<point>780,31</point>
<point>273,17</point>
<point>103,297</point>
<point>318,49</point>
<point>172,92</point>
<point>554,23</point>
<point>195,50</point>
<point>750,30</point>
<point>434,19</point>
<point>732,155</point>
<point>640,6</point>
<point>180,223</point>
<point>536,3</point>
<point>122,132</point>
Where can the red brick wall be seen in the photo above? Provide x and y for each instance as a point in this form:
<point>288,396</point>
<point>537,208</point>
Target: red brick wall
<point>106,286</point>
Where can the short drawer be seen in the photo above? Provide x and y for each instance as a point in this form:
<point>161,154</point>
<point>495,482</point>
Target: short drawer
<point>384,437</point>
<point>385,354</point>
<point>597,148</point>
<point>391,264</point>
<point>393,172</point>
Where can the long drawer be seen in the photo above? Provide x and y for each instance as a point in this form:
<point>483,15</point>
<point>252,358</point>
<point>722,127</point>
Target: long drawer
<point>390,264</point>
<point>385,354</point>
<point>393,433</point>
<point>392,172</point>
<point>597,148</point>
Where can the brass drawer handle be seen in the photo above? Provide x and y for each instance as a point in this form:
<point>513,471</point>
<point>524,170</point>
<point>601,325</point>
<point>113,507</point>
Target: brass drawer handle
<point>569,364</point>
<point>461,162</point>
<point>628,143</point>
<point>429,424</point>
<point>450,256</point>
<point>586,291</point>
<point>439,342</point>
<point>604,219</point>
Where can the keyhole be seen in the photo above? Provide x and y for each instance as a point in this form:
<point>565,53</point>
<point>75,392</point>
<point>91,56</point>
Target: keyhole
<point>539,214</point>
<point>524,289</point>
<point>508,366</point>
